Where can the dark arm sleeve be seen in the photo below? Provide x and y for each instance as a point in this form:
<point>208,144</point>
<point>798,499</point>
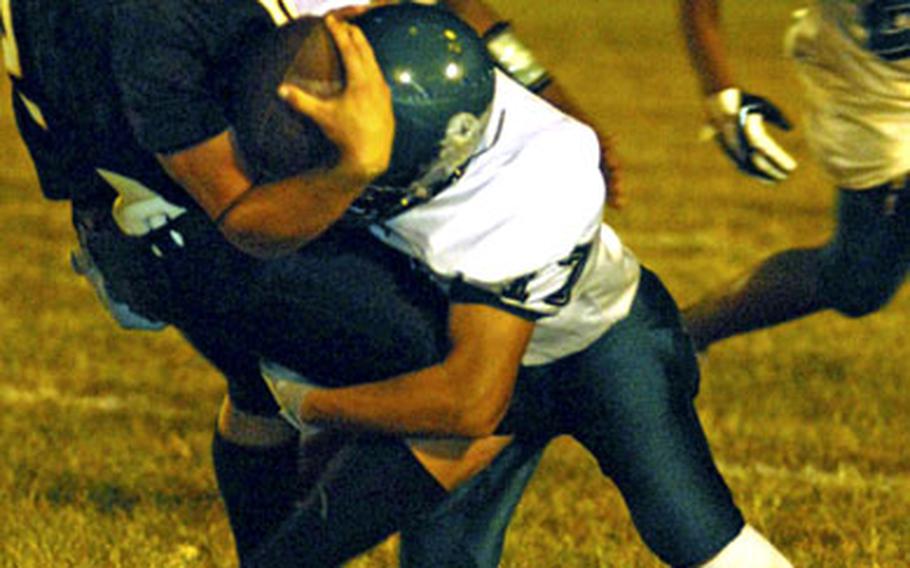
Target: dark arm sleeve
<point>166,58</point>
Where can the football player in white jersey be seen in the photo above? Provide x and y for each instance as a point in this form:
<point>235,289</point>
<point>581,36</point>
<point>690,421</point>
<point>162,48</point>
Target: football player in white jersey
<point>853,58</point>
<point>498,196</point>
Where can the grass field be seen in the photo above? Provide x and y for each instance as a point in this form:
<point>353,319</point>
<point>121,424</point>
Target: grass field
<point>105,434</point>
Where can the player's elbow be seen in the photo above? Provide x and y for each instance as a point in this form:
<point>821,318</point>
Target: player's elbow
<point>478,422</point>
<point>481,407</point>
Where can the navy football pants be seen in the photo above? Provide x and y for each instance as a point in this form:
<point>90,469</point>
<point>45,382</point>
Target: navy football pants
<point>867,259</point>
<point>629,400</point>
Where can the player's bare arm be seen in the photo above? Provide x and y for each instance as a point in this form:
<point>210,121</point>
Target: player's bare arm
<point>465,395</point>
<point>277,218</point>
<point>700,21</point>
<point>737,118</point>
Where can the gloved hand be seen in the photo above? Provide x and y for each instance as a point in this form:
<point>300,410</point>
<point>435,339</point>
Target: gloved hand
<point>289,389</point>
<point>737,120</point>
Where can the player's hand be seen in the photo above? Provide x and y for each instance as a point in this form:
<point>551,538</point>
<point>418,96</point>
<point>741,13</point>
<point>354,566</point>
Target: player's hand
<point>738,123</point>
<point>289,389</point>
<point>359,120</point>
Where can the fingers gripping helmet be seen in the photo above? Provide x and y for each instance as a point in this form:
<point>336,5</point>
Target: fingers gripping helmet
<point>442,84</point>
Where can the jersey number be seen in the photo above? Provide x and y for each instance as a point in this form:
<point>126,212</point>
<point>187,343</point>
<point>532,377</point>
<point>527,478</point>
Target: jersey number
<point>577,260</point>
<point>517,289</point>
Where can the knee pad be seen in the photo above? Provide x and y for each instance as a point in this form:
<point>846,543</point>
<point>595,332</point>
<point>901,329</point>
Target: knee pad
<point>856,291</point>
<point>863,303</point>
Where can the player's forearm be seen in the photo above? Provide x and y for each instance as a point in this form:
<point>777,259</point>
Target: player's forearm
<point>278,218</point>
<point>465,395</point>
<point>433,401</point>
<point>483,18</point>
<point>700,22</point>
<point>270,219</point>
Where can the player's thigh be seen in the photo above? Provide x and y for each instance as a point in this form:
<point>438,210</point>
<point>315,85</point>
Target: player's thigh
<point>232,354</point>
<point>633,400</point>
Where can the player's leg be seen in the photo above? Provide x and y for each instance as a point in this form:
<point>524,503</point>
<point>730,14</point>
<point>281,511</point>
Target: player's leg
<point>856,273</point>
<point>347,309</point>
<point>468,529</point>
<point>254,451</point>
<point>867,260</point>
<point>341,308</point>
<point>311,310</point>
<point>369,490</point>
<point>256,472</point>
<point>783,287</point>
<point>633,408</point>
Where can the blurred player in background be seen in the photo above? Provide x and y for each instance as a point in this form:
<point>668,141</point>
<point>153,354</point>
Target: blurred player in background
<point>173,231</point>
<point>546,304</point>
<point>853,58</point>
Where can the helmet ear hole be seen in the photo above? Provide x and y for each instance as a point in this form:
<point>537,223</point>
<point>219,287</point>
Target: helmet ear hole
<point>274,141</point>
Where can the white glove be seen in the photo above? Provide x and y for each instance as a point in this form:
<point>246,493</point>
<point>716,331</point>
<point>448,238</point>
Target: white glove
<point>289,389</point>
<point>737,120</point>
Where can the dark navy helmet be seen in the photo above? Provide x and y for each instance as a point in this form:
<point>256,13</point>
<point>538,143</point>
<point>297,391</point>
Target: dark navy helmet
<point>441,80</point>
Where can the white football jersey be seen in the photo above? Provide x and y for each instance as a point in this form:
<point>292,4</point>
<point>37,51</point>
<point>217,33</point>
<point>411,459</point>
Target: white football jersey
<point>858,120</point>
<point>523,227</point>
<point>321,7</point>
<point>283,11</point>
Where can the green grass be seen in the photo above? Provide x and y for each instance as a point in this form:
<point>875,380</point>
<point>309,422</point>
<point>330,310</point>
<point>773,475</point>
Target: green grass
<point>105,433</point>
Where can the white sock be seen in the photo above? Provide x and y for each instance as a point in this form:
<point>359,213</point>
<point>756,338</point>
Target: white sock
<point>748,550</point>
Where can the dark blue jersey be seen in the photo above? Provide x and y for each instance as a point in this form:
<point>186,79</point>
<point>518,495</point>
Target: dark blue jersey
<point>109,83</point>
<point>174,60</point>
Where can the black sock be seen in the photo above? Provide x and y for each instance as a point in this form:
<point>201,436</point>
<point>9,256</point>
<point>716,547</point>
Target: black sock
<point>259,487</point>
<point>371,487</point>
